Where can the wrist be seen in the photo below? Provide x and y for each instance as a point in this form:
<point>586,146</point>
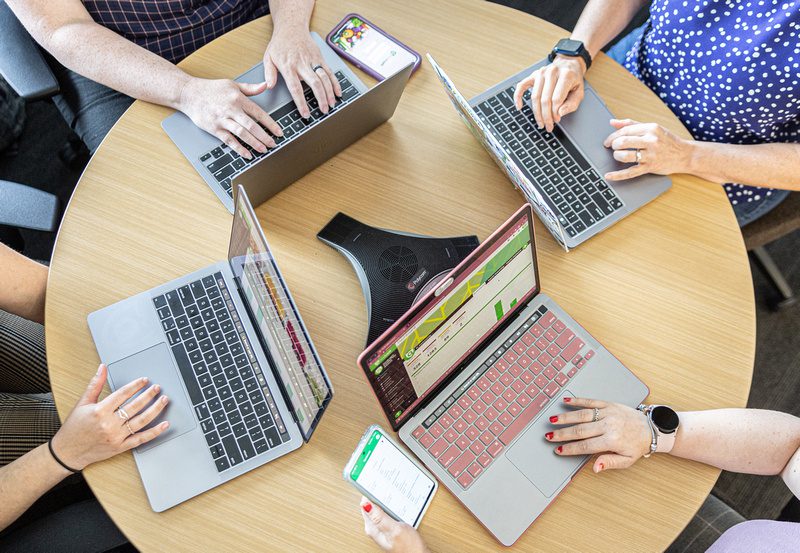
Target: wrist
<point>576,62</point>
<point>694,154</point>
<point>184,94</point>
<point>61,452</point>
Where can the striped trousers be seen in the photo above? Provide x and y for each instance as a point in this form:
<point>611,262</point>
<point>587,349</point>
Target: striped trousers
<point>27,414</point>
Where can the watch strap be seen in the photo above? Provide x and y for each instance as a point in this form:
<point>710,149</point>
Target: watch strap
<point>582,53</point>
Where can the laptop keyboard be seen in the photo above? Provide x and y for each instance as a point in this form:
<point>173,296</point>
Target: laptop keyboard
<point>225,164</point>
<point>226,385</point>
<point>510,389</point>
<point>581,196</point>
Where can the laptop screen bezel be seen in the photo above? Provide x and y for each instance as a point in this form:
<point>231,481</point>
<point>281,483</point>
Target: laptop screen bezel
<point>431,298</point>
<point>242,197</point>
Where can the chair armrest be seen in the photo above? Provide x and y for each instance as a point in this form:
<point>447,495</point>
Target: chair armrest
<point>26,207</point>
<point>21,63</point>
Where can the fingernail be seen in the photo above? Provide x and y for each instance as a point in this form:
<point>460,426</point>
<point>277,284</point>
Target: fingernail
<point>601,467</point>
<point>262,148</point>
<point>99,370</point>
<point>558,449</point>
<point>144,379</point>
<point>549,435</point>
<point>567,399</point>
<point>367,507</point>
<point>554,418</point>
<point>156,388</point>
<point>164,399</point>
<point>165,424</point>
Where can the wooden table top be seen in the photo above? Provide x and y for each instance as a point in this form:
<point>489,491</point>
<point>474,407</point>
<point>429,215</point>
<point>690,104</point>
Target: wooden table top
<point>667,290</point>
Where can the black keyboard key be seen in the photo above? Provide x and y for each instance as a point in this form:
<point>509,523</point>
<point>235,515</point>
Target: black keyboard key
<point>224,173</point>
<point>225,393</point>
<point>192,311</point>
<point>159,301</point>
<point>219,417</point>
<point>256,433</point>
<point>272,436</point>
<point>349,93</point>
<point>173,336</point>
<point>224,428</point>
<point>174,302</point>
<point>182,321</point>
<point>222,464</point>
<point>250,420</point>
<point>221,349</point>
<point>198,291</point>
<point>240,396</point>
<point>236,385</point>
<point>261,446</point>
<point>234,417</point>
<point>206,346</point>
<point>219,163</point>
<point>217,451</point>
<point>191,344</point>
<point>220,380</point>
<point>229,405</point>
<point>209,392</point>
<point>246,408</point>
<point>204,380</point>
<point>232,450</point>
<point>266,421</point>
<point>261,409</point>
<point>185,367</point>
<point>214,404</point>
<point>215,368</point>
<point>202,411</point>
<point>212,438</point>
<point>239,430</point>
<point>207,425</point>
<point>226,360</point>
<point>246,446</point>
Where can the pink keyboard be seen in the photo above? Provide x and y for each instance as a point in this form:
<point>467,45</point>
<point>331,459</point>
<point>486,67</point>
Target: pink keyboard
<point>484,415</point>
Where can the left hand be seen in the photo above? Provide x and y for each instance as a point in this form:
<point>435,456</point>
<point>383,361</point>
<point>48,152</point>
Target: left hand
<point>294,54</point>
<point>661,152</point>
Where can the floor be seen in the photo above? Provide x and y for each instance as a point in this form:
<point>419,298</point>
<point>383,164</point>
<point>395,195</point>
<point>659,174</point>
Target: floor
<point>776,378</point>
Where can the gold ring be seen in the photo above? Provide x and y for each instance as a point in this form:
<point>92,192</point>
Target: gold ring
<point>123,415</point>
<point>596,416</point>
<point>128,426</point>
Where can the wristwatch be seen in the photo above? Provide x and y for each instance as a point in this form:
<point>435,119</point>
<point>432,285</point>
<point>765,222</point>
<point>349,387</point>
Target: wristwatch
<point>572,48</point>
<point>664,423</point>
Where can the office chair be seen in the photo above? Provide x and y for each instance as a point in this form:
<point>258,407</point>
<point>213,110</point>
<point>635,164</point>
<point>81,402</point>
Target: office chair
<point>779,222</point>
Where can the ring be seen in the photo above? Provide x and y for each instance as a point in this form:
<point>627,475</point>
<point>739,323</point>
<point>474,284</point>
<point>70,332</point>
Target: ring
<point>123,415</point>
<point>318,66</point>
<point>596,416</point>
<point>638,156</point>
<point>128,426</point>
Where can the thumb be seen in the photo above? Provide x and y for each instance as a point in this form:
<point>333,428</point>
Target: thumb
<point>619,123</point>
<point>92,393</point>
<point>270,73</point>
<point>376,516</point>
<point>611,461</point>
<point>252,89</point>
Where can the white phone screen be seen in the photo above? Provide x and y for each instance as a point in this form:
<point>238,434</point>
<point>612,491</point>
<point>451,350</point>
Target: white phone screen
<point>385,472</point>
<point>372,48</point>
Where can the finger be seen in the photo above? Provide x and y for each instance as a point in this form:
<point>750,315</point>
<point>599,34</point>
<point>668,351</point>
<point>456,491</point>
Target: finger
<point>546,100</point>
<point>95,387</point>
<point>573,417</point>
<point>255,129</point>
<point>619,123</point>
<point>139,438</point>
<point>115,399</point>
<point>611,461</point>
<point>583,447</point>
<point>327,81</point>
<point>254,110</point>
<point>631,142</point>
<point>628,173</point>
<point>560,93</point>
<point>575,432</point>
<point>296,90</point>
<point>270,72</point>
<point>536,93</point>
<point>572,102</point>
<point>625,156</point>
<point>228,138</point>
<point>337,88</point>
<point>381,520</point>
<point>638,129</point>
<point>142,400</point>
<point>312,79</point>
<point>148,415</point>
<point>244,135</point>
<point>522,87</point>
<point>585,402</point>
<point>249,89</point>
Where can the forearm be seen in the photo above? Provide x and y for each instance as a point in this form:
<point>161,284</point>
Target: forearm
<point>291,14</point>
<point>25,480</point>
<point>751,441</point>
<point>22,285</point>
<point>769,165</point>
<point>602,20</point>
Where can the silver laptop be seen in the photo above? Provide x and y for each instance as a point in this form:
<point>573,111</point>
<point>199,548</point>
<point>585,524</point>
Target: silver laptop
<point>472,373</point>
<point>306,143</point>
<point>228,346</point>
<point>560,173</point>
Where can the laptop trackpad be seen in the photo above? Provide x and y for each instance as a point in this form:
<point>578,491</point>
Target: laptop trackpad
<point>535,458</point>
<point>156,363</point>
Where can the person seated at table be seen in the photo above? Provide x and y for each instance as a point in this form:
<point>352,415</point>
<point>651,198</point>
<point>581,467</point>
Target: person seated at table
<point>108,53</point>
<point>751,441</point>
<point>728,71</point>
<point>36,453</point>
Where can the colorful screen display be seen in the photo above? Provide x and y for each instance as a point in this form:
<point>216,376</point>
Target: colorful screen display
<point>418,356</point>
<point>372,48</point>
<point>277,320</point>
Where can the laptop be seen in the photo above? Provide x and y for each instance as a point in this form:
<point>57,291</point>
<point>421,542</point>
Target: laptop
<point>306,143</point>
<point>227,344</point>
<point>560,173</point>
<point>471,374</point>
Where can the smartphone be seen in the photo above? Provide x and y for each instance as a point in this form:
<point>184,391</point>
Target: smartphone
<point>372,50</point>
<point>388,477</point>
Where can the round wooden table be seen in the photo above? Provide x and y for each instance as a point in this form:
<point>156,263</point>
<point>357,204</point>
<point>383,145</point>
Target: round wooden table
<point>667,290</point>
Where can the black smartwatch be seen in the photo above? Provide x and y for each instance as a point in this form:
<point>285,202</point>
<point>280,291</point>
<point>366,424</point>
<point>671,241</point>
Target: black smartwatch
<point>571,48</point>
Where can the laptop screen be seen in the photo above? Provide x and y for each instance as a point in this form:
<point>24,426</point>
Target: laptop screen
<point>423,348</point>
<point>275,316</point>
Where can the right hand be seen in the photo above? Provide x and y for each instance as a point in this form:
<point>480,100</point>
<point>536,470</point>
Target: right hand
<point>390,535</point>
<point>222,108</point>
<point>556,90</point>
<point>94,431</point>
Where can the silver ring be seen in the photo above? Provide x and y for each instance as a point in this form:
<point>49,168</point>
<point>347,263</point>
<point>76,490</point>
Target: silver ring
<point>638,156</point>
<point>318,66</point>
<point>596,416</point>
<point>123,415</point>
<point>128,426</point>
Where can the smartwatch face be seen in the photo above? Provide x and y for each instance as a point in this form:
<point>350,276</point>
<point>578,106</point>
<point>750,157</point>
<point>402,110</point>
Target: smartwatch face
<point>665,419</point>
<point>569,46</point>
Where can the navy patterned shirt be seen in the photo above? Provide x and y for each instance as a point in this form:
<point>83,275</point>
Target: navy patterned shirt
<point>173,29</point>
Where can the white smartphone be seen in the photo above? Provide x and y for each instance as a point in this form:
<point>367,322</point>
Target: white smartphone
<point>387,476</point>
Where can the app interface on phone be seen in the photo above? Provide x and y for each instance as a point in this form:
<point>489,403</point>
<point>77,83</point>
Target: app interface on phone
<point>390,477</point>
<point>372,48</point>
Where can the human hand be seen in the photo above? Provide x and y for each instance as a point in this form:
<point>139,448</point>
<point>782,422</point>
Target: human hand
<point>222,108</point>
<point>390,535</point>
<point>622,433</point>
<point>556,90</point>
<point>294,54</point>
<point>95,431</point>
<point>660,151</point>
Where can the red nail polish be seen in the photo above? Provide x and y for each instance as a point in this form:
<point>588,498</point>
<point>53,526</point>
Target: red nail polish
<point>602,466</point>
<point>549,435</point>
<point>567,399</point>
<point>367,507</point>
<point>554,418</point>
<point>558,449</point>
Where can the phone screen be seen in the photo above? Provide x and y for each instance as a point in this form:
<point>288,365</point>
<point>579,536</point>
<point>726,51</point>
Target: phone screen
<point>372,48</point>
<point>390,477</point>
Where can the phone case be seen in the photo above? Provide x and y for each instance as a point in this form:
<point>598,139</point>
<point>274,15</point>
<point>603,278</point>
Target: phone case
<point>369,71</point>
<point>360,447</point>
